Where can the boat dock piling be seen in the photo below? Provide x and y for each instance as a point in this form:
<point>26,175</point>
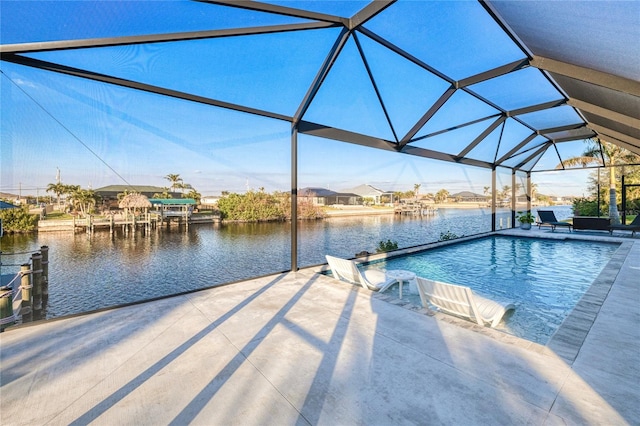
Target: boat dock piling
<point>129,222</point>
<point>28,299</point>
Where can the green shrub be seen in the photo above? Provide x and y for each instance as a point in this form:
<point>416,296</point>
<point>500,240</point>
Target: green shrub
<point>384,246</point>
<point>258,206</point>
<point>446,236</point>
<point>586,207</point>
<point>18,220</point>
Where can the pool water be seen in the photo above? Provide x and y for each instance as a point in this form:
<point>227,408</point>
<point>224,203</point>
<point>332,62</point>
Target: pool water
<point>544,278</point>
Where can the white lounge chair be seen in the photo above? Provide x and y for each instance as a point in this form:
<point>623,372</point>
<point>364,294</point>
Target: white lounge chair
<point>461,301</point>
<point>347,270</point>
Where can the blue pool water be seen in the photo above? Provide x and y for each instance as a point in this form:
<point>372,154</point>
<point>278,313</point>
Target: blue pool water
<point>544,278</point>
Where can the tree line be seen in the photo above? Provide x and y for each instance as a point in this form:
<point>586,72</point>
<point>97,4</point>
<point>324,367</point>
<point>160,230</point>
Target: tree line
<point>606,188</point>
<point>259,206</point>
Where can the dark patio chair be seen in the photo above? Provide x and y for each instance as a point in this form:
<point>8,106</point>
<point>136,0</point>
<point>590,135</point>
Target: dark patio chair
<point>547,217</point>
<point>633,227</point>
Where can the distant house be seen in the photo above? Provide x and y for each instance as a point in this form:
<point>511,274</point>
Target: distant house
<point>368,191</point>
<point>209,200</point>
<point>173,207</point>
<point>326,197</point>
<point>5,205</point>
<point>469,197</point>
<point>109,194</point>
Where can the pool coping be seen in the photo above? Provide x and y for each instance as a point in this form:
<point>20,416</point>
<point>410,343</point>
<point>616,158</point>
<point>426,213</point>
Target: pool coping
<point>567,340</point>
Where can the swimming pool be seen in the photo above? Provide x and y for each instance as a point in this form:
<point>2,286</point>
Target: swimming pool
<point>544,278</point>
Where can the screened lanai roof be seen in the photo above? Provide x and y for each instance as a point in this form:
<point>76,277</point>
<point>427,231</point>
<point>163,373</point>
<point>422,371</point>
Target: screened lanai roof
<point>496,83</point>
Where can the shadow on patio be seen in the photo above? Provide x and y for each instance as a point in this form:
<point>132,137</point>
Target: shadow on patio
<point>295,348</point>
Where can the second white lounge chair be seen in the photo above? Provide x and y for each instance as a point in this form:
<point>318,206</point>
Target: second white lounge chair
<point>347,270</point>
<point>461,301</point>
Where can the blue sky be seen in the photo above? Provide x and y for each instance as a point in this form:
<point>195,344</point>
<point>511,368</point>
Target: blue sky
<point>98,134</point>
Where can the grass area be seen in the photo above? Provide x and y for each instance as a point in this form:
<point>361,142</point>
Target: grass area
<point>58,216</point>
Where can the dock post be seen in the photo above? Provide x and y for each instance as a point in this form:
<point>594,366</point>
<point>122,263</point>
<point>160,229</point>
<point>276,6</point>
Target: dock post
<point>36,272</point>
<point>7,317</point>
<point>44,251</point>
<point>111,224</point>
<point>26,286</point>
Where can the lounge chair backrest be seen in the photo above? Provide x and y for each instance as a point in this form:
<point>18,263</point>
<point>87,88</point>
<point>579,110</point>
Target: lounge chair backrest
<point>635,221</point>
<point>455,299</point>
<point>347,270</point>
<point>547,216</point>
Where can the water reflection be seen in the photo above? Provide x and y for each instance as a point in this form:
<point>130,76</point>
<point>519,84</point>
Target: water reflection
<point>92,271</point>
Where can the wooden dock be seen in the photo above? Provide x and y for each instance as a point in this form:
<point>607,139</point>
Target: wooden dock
<point>90,223</point>
<point>416,209</point>
<point>127,223</point>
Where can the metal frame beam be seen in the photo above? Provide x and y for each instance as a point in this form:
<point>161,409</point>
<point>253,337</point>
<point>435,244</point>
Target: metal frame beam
<point>375,85</point>
<point>496,72</point>
<point>368,12</point>
<point>157,38</point>
<point>319,130</point>
<point>534,155</point>
<point>514,198</point>
<point>460,126</point>
<point>314,129</point>
<point>599,78</point>
<point>294,198</point>
<point>280,10</point>
<point>427,115</point>
<point>494,197</point>
<point>322,74</point>
<point>482,136</point>
<point>574,138</point>
<point>76,72</point>
<point>516,148</point>
<point>437,155</point>
<point>625,141</point>
<point>605,113</point>
<point>535,108</point>
<point>547,131</point>
<point>406,55</point>
<point>586,167</point>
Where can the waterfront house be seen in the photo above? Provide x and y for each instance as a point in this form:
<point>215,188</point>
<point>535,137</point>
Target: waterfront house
<point>173,207</point>
<point>326,197</point>
<point>469,197</point>
<point>209,200</point>
<point>5,205</point>
<point>109,194</point>
<point>369,191</point>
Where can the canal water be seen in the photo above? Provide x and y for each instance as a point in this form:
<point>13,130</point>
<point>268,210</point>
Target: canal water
<point>88,272</point>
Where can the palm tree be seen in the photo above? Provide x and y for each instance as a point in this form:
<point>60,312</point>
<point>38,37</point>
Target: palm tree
<point>193,194</point>
<point>164,195</point>
<point>57,188</point>
<point>175,180</point>
<point>534,191</point>
<point>416,189</point>
<point>83,199</point>
<point>596,152</point>
<point>442,196</point>
<point>126,192</point>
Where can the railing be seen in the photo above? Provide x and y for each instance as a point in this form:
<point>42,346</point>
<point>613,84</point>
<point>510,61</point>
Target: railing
<point>23,302</point>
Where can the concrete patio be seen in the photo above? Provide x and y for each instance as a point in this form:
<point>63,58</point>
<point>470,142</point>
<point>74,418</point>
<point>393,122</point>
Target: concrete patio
<point>302,348</point>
